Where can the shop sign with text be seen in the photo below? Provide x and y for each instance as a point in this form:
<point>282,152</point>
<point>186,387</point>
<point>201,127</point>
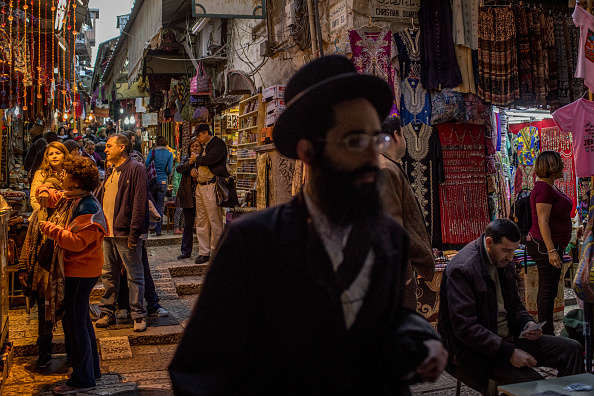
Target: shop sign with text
<point>395,9</point>
<point>249,9</point>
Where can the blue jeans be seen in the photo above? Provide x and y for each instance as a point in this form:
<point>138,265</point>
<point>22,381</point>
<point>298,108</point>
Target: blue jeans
<point>158,192</point>
<point>188,235</point>
<point>150,294</point>
<point>81,335</point>
<point>114,248</point>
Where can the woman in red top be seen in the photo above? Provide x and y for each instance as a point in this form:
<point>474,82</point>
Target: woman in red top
<point>78,228</point>
<point>550,232</point>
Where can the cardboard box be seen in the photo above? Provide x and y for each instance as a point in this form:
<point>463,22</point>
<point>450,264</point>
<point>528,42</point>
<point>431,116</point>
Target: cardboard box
<point>275,104</point>
<point>272,118</point>
<point>274,92</point>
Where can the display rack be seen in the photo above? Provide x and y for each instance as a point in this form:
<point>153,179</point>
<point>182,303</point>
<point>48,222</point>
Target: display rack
<point>230,135</point>
<point>252,113</point>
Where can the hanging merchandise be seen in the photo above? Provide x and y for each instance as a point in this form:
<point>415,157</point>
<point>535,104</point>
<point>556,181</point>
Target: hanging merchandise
<point>408,50</point>
<point>440,66</point>
<point>585,62</point>
<point>539,57</point>
<point>415,104</point>
<point>465,16</point>
<point>578,118</point>
<point>201,84</point>
<point>463,195</point>
<point>464,58</point>
<point>526,86</point>
<point>582,282</point>
<point>423,166</point>
<point>446,105</point>
<point>498,67</point>
<point>372,54</point>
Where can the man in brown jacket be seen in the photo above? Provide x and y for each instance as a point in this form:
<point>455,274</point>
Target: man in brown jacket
<point>400,202</point>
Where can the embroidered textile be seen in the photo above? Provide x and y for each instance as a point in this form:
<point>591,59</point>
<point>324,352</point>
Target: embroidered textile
<point>423,167</point>
<point>463,195</point>
<point>446,105</point>
<point>440,67</point>
<point>477,112</point>
<point>524,59</point>
<point>563,73</point>
<point>528,145</point>
<point>408,50</point>
<point>573,45</point>
<point>498,64</point>
<point>549,42</point>
<point>415,105</point>
<point>465,14</point>
<point>552,138</point>
<point>373,55</point>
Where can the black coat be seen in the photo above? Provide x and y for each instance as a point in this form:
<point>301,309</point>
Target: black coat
<point>215,157</point>
<point>187,185</point>
<point>468,315</point>
<point>267,321</point>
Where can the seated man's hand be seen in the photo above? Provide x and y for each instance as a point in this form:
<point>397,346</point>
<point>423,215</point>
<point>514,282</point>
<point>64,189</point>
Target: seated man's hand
<point>534,331</point>
<point>436,360</point>
<point>521,358</point>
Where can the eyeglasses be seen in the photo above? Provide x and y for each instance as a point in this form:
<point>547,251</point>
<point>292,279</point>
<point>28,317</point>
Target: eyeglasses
<point>361,141</point>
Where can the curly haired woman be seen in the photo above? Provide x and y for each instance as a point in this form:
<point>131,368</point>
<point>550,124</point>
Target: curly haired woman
<point>78,227</point>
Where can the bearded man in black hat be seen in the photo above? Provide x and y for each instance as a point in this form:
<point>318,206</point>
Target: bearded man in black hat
<point>306,297</point>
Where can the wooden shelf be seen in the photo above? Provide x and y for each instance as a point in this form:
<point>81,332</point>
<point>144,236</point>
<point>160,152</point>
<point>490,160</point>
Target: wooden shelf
<point>247,173</point>
<point>247,144</point>
<point>248,128</point>
<point>246,159</point>
<point>251,113</point>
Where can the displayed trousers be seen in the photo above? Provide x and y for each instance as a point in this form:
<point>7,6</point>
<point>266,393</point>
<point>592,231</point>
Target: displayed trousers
<point>548,282</point>
<point>113,249</point>
<point>85,357</point>
<point>209,220</point>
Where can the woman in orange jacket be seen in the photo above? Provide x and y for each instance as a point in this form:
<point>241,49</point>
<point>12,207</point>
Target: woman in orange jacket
<point>78,227</point>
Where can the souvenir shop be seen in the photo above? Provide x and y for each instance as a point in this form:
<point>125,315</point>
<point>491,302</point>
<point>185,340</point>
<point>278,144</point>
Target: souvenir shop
<point>476,103</point>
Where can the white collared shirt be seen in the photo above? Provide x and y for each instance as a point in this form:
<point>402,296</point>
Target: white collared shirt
<point>335,239</point>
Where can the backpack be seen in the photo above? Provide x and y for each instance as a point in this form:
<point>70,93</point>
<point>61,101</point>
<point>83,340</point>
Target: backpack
<point>521,212</point>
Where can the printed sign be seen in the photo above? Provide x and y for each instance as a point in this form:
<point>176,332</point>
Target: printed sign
<point>395,9</point>
<point>251,9</point>
<point>338,16</point>
<point>149,119</point>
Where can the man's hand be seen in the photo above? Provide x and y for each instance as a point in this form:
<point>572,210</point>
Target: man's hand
<point>23,278</point>
<point>436,360</point>
<point>193,158</point>
<point>131,245</point>
<point>194,173</point>
<point>43,199</point>
<point>521,358</point>
<point>534,331</point>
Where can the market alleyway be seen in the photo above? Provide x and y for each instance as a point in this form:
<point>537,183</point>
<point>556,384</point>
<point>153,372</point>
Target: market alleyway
<point>136,363</point>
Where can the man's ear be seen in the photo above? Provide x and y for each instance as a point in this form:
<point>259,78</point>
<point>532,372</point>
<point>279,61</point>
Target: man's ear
<point>489,242</point>
<point>305,151</point>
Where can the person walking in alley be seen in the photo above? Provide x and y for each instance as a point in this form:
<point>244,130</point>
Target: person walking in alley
<point>185,199</point>
<point>123,195</point>
<point>307,297</point>
<point>78,228</point>
<point>486,328</point>
<point>163,160</point>
<point>208,163</point>
<point>400,202</point>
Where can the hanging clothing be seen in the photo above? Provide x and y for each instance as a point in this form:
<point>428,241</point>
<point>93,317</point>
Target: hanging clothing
<point>415,104</point>
<point>549,42</point>
<point>440,67</point>
<point>464,58</point>
<point>524,59</point>
<point>578,118</point>
<point>573,47</point>
<point>373,55</point>
<point>498,65</point>
<point>585,62</point>
<point>424,168</point>
<point>408,49</point>
<point>528,145</point>
<point>563,96</point>
<point>465,21</point>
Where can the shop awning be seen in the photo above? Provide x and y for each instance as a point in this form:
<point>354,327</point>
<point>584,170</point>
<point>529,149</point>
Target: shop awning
<point>145,31</point>
<point>126,91</point>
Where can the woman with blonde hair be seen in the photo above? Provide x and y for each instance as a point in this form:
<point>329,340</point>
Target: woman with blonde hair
<point>550,232</point>
<point>50,169</point>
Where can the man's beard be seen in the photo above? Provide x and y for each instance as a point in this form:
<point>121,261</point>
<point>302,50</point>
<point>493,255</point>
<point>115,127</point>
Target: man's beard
<point>340,198</point>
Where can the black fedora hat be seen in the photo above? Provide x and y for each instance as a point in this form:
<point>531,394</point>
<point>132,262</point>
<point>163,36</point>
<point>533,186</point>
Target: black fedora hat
<point>325,81</point>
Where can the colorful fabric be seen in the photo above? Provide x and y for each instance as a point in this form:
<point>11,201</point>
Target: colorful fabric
<point>578,118</point>
<point>446,105</point>
<point>415,103</point>
<point>563,72</point>
<point>539,65</point>
<point>585,62</point>
<point>408,49</point>
<point>524,59</point>
<point>551,138</point>
<point>528,145</point>
<point>549,42</point>
<point>498,63</point>
<point>477,112</point>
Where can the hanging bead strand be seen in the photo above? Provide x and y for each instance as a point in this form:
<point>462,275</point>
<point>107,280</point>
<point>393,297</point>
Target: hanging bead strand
<point>52,60</point>
<point>39,51</point>
<point>25,106</point>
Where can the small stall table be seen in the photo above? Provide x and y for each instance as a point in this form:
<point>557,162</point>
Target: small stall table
<point>555,384</point>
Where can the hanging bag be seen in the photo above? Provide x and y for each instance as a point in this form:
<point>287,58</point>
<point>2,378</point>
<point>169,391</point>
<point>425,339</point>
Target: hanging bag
<point>226,192</point>
<point>150,168</point>
<point>584,276</point>
<point>201,84</point>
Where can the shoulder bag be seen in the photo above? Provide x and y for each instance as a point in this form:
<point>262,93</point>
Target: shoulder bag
<point>150,168</point>
<point>226,192</point>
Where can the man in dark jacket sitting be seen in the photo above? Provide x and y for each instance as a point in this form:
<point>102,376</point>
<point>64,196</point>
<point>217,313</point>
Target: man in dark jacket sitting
<point>486,328</point>
<point>306,298</point>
